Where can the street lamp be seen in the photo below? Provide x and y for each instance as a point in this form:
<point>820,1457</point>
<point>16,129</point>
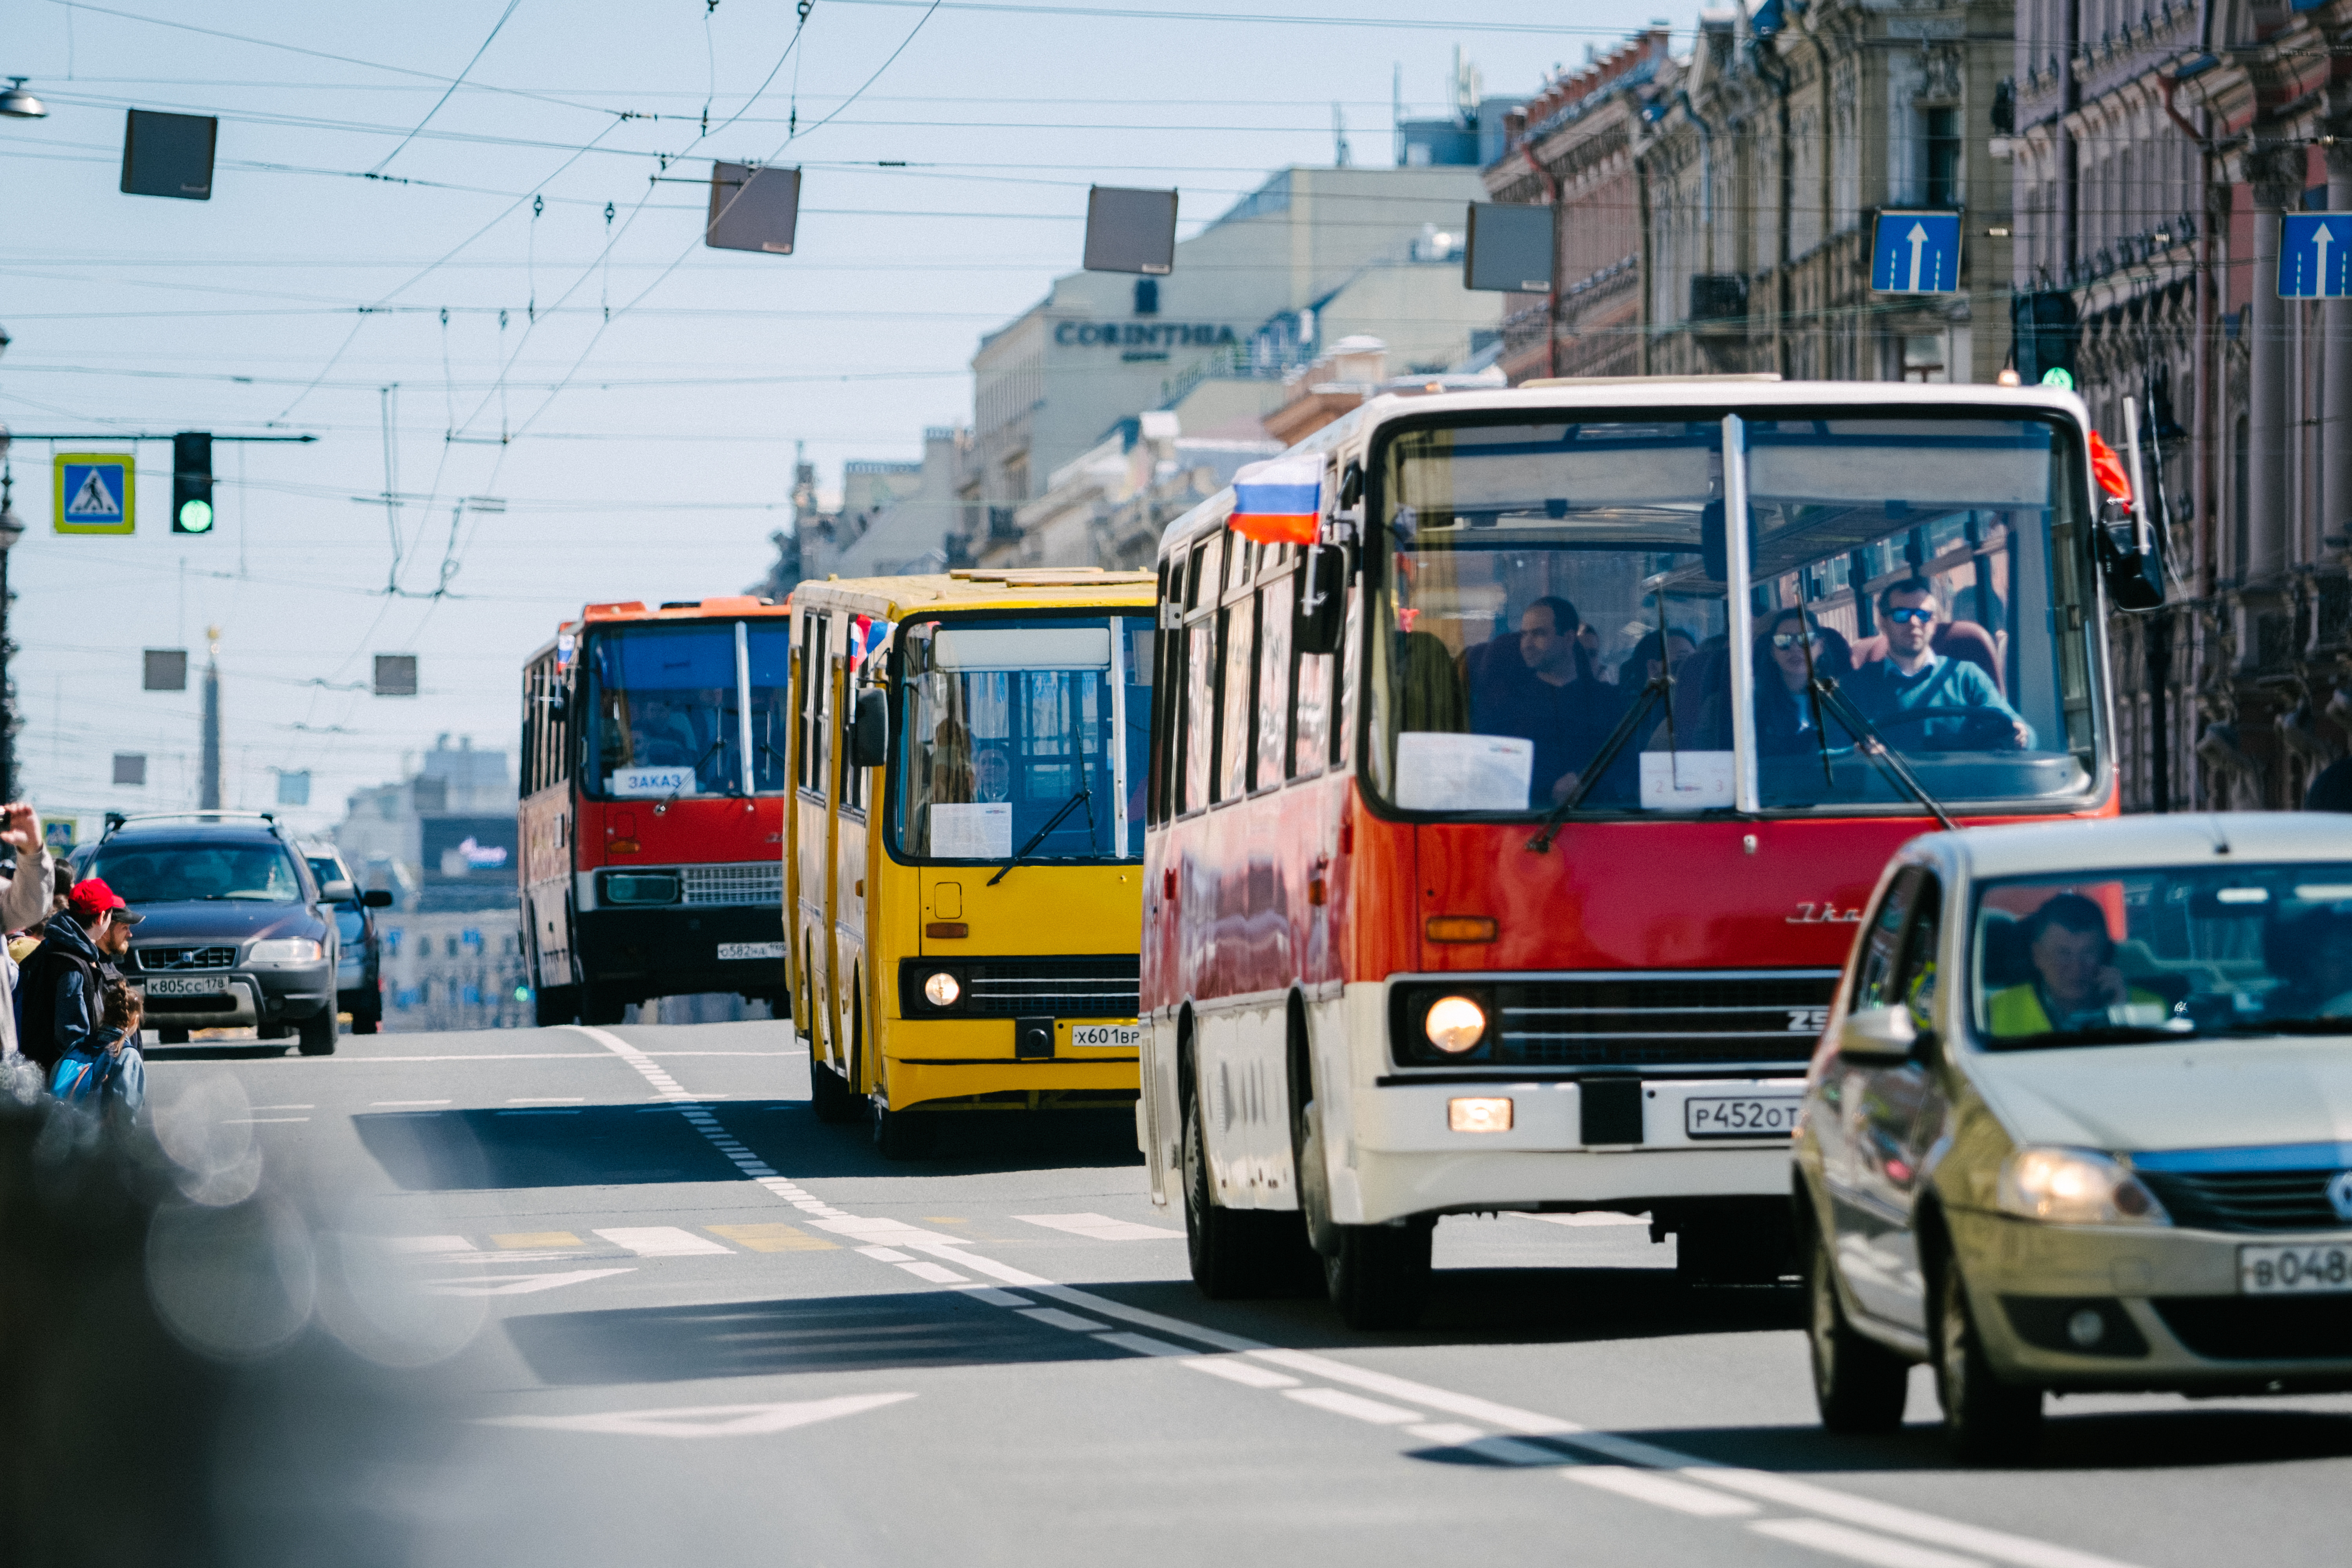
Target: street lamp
<point>17,104</point>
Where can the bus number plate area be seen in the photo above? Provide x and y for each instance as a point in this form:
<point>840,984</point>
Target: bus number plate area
<point>1124,1037</point>
<point>1740,1116</point>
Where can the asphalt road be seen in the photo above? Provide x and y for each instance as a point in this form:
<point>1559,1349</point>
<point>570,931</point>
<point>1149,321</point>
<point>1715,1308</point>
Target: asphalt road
<point>583,1297</point>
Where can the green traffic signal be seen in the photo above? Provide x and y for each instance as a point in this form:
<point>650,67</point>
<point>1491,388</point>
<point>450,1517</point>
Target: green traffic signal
<point>195,517</point>
<point>2060,377</point>
<point>191,482</point>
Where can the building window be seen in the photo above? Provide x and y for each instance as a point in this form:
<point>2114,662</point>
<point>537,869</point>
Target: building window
<point>1923,357</point>
<point>1147,295</point>
<point>1943,152</point>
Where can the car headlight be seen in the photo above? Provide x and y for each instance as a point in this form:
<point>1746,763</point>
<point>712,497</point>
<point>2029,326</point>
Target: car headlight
<point>2075,1186</point>
<point>1454,1025</point>
<point>287,950</point>
<point>942,989</point>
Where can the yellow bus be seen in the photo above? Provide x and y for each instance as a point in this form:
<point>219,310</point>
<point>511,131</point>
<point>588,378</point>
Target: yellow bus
<point>963,856</point>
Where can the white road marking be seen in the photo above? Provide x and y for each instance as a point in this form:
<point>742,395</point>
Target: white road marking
<point>547,1100</point>
<point>704,1420</point>
<point>935,1273</point>
<point>429,1244</point>
<point>989,1295</point>
<point>1590,1216</point>
<point>1099,1227</point>
<point>388,1104</point>
<point>887,1255</point>
<point>1249,1374</point>
<point>663,1241</point>
<point>504,1057</point>
<point>1998,1544</point>
<point>259,1121</point>
<point>1054,1317</point>
<point>1648,1486</point>
<point>1860,1545</point>
<point>1342,1404</point>
<point>1453,1433</point>
<point>1141,1344</point>
<point>518,1285</point>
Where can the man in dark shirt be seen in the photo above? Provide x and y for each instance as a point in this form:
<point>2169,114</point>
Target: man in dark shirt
<point>65,981</point>
<point>1553,700</point>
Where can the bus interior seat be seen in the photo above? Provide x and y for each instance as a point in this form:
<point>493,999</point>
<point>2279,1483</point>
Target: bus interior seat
<point>1430,694</point>
<point>2006,962</point>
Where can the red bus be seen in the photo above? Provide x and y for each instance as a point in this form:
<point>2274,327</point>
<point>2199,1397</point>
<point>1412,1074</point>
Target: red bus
<point>1460,898</point>
<point>654,775</point>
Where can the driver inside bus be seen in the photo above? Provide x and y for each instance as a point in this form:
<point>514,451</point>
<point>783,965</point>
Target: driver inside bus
<point>2075,982</point>
<point>1553,699</point>
<point>1919,699</point>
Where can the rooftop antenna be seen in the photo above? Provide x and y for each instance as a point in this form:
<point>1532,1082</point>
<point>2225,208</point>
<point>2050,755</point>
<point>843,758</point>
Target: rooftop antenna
<point>1396,108</point>
<point>1340,159</point>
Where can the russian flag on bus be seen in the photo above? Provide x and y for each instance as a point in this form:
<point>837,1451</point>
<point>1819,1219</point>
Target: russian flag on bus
<point>1279,500</point>
<point>867,636</point>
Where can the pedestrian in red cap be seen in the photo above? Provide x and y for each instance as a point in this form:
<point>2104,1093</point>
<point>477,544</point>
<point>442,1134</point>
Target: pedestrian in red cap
<point>66,982</point>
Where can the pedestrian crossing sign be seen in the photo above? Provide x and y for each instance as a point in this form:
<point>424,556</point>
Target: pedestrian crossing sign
<point>94,492</point>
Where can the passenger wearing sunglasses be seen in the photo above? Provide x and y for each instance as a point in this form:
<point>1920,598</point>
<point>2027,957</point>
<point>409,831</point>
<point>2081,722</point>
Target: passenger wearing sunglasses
<point>1921,699</point>
<point>1785,718</point>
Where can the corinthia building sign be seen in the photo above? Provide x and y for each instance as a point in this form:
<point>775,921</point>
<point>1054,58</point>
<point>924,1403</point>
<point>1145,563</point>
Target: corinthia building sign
<point>1141,335</point>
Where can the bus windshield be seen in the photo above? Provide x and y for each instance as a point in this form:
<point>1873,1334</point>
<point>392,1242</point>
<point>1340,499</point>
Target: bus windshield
<point>1902,574</point>
<point>665,708</point>
<point>1017,727</point>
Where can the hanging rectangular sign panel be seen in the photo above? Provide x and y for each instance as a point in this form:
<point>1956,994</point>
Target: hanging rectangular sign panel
<point>169,155</point>
<point>752,208</point>
<point>1509,248</point>
<point>396,675</point>
<point>165,669</point>
<point>1915,253</point>
<point>95,492</point>
<point>2315,256</point>
<point>1130,231</point>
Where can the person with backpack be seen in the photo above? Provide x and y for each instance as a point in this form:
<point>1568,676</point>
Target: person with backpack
<point>104,1070</point>
<point>65,983</point>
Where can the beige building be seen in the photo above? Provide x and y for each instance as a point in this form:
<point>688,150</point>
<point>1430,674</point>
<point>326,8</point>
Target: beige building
<point>1311,256</point>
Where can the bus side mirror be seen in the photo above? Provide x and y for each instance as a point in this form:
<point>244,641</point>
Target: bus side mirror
<point>1322,600</point>
<point>377,898</point>
<point>2134,577</point>
<point>869,731</point>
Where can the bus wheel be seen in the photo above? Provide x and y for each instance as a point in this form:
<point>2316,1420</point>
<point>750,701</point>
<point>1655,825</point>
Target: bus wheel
<point>830,1095</point>
<point>1744,1246</point>
<point>555,1005</point>
<point>1236,1255</point>
<point>903,1134</point>
<point>1379,1274</point>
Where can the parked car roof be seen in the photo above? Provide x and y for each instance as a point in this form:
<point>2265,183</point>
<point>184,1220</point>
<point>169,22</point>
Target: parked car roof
<point>2127,842</point>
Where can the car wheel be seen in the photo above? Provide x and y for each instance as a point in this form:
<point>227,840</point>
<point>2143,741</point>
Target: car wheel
<point>1986,1421</point>
<point>366,1023</point>
<point>904,1134</point>
<point>315,1035</point>
<point>1859,1384</point>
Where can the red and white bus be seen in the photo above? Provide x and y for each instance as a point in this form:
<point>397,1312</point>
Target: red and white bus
<point>654,775</point>
<point>1454,903</point>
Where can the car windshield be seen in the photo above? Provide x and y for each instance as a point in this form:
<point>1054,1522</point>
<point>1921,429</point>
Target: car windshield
<point>1537,578</point>
<point>193,872</point>
<point>1007,722</point>
<point>2151,955</point>
<point>325,869</point>
<point>665,706</point>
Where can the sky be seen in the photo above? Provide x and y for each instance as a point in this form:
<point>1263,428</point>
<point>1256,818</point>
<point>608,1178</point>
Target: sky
<point>460,244</point>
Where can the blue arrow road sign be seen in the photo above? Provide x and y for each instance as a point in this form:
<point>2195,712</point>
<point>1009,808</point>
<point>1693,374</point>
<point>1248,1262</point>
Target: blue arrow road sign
<point>1915,253</point>
<point>2315,256</point>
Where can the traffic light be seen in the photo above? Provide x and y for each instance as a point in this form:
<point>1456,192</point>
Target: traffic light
<point>191,482</point>
<point>2047,330</point>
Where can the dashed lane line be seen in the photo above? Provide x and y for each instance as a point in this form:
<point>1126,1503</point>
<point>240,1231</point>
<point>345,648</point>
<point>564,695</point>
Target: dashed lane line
<point>1856,1528</point>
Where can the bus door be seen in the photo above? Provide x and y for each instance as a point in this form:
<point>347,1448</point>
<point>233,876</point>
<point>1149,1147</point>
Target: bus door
<point>854,998</point>
<point>813,840</point>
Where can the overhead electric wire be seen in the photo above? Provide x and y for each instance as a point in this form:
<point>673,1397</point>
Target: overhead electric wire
<point>495,29</point>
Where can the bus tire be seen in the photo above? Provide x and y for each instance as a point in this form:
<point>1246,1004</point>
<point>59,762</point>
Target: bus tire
<point>1859,1384</point>
<point>830,1095</point>
<point>1749,1244</point>
<point>903,1134</point>
<point>1377,1275</point>
<point>554,1005</point>
<point>1236,1255</point>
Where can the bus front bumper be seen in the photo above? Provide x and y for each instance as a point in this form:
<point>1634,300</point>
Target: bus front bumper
<point>970,1064</point>
<point>677,950</point>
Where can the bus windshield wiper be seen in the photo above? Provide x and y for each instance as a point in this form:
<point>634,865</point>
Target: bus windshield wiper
<point>1828,698</point>
<point>1654,692</point>
<point>691,774</point>
<point>1085,794</point>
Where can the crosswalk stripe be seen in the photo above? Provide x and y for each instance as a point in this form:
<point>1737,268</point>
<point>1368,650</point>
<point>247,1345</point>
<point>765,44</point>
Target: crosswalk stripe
<point>515,1240</point>
<point>1099,1227</point>
<point>660,1241</point>
<point>772,1237</point>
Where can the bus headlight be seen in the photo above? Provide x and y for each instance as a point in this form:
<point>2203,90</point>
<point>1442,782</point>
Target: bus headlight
<point>942,989</point>
<point>640,888</point>
<point>1454,1025</point>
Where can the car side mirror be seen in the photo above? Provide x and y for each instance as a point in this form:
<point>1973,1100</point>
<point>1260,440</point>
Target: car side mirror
<point>869,730</point>
<point>377,898</point>
<point>1321,619</point>
<point>1878,1034</point>
<point>338,892</point>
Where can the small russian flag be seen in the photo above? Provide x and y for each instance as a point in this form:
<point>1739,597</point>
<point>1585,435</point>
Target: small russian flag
<point>1279,500</point>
